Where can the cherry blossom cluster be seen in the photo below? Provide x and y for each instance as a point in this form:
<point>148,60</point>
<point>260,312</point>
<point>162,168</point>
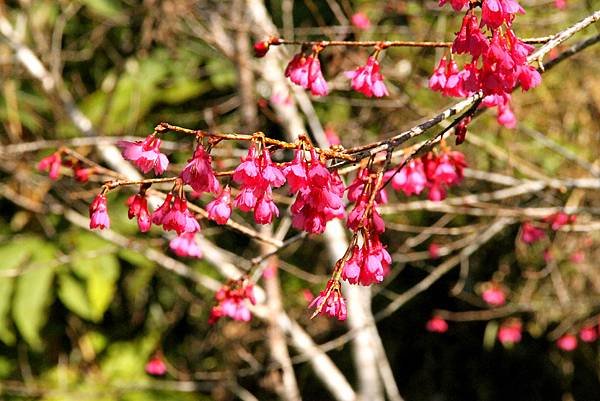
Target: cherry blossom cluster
<point>52,165</point>
<point>232,301</point>
<point>304,69</point>
<point>533,232</point>
<point>498,57</point>
<point>434,171</point>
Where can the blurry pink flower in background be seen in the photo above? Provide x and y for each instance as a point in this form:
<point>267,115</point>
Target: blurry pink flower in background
<point>568,342</point>
<point>494,295</point>
<point>360,21</point>
<point>510,332</point>
<point>437,325</point>
<point>156,367</point>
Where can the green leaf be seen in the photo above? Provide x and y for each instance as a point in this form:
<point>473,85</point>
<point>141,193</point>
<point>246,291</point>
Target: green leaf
<point>73,295</point>
<point>104,8</point>
<point>33,293</point>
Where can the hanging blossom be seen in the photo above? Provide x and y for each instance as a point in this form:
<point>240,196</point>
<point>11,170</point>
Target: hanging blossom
<point>156,367</point>
<point>411,178</point>
<point>360,21</point>
<point>588,334</point>
<point>559,219</point>
<point>330,302</point>
<point>145,154</point>
<point>219,209</point>
<point>138,207</point>
<point>99,213</point>
<point>318,192</point>
<point>437,325</point>
<point>368,80</point>
<point>306,71</point>
<point>51,164</point>
<point>232,300</point>
<point>530,234</point>
<point>494,295</point>
<point>498,63</point>
<point>185,245</point>
<point>257,175</point>
<point>510,332</point>
<point>370,262</point>
<point>567,342</point>
<point>198,173</point>
<point>174,215</point>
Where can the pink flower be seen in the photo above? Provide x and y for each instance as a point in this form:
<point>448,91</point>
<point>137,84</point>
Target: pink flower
<point>510,332</point>
<point>156,367</point>
<point>145,154</point>
<point>318,193</point>
<point>332,137</point>
<point>368,80</point>
<point>219,209</point>
<point>588,334</point>
<point>368,264</point>
<point>175,216</point>
<point>261,48</point>
<point>470,39</point>
<point>257,175</point>
<point>306,72</point>
<point>559,219</point>
<point>567,342</point>
<point>436,325</point>
<point>81,174</point>
<point>331,302</point>
<point>437,82</point>
<point>411,178</point>
<point>198,173</point>
<point>138,207</point>
<point>494,296</point>
<point>457,5</point>
<point>51,164</point>
<point>531,234</point>
<point>185,245</point>
<point>360,21</point>
<point>232,301</point>
<point>529,77</point>
<point>99,213</point>
<point>434,250</point>
<point>496,12</point>
<point>560,4</point>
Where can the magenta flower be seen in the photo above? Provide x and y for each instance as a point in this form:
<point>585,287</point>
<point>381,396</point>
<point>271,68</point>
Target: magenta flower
<point>198,173</point>
<point>567,342</point>
<point>437,81</point>
<point>265,209</point>
<point>318,193</point>
<point>156,367</point>
<point>470,39</point>
<point>51,164</point>
<point>360,21</point>
<point>233,301</point>
<point>368,80</point>
<point>138,207</point>
<point>185,245</point>
<point>306,72</point>
<point>175,216</point>
<point>219,209</point>
<point>559,219</point>
<point>411,178</point>
<point>530,234</point>
<point>496,12</point>
<point>145,154</point>
<point>510,332</point>
<point>331,302</point>
<point>369,263</point>
<point>457,5</point>
<point>494,295</point>
<point>588,334</point>
<point>99,213</point>
<point>437,325</point>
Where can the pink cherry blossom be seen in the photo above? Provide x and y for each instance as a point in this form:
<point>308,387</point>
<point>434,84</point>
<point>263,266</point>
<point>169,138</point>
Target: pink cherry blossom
<point>434,250</point>
<point>198,173</point>
<point>494,295</point>
<point>559,219</point>
<point>232,301</point>
<point>368,80</point>
<point>99,213</point>
<point>437,325</point>
<point>369,263</point>
<point>588,334</point>
<point>51,164</point>
<point>175,216</point>
<point>318,192</point>
<point>360,20</point>
<point>145,154</point>
<point>567,342</point>
<point>219,209</point>
<point>457,5</point>
<point>185,245</point>
<point>510,332</point>
<point>497,12</point>
<point>138,207</point>
<point>331,302</point>
<point>306,71</point>
<point>530,234</point>
<point>577,257</point>
<point>560,4</point>
<point>332,137</point>
<point>156,367</point>
<point>411,178</point>
<point>437,82</point>
<point>470,39</point>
